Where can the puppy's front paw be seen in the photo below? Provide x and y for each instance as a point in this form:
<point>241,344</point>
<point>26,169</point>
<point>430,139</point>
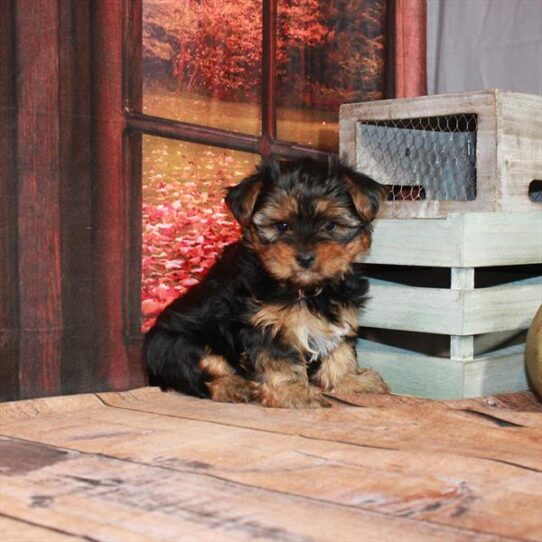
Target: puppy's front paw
<point>364,381</point>
<point>313,399</point>
<point>230,389</point>
<point>292,396</point>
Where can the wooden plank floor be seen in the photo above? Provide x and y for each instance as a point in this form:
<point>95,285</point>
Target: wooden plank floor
<point>150,466</point>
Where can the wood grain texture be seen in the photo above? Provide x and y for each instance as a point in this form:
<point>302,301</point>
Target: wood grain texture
<point>452,311</point>
<point>64,226</point>
<point>463,242</point>
<point>519,148</point>
<point>9,280</point>
<point>123,500</point>
<point>39,252</point>
<point>110,206</point>
<point>502,239</point>
<point>462,348</point>
<point>78,372</point>
<point>521,409</point>
<point>410,48</point>
<point>502,371</point>
<point>132,171</point>
<point>412,373</point>
<point>381,428</point>
<point>460,240</point>
<point>147,465</point>
<point>14,530</point>
<point>111,228</point>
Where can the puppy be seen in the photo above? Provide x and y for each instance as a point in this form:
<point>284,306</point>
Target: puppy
<point>275,319</point>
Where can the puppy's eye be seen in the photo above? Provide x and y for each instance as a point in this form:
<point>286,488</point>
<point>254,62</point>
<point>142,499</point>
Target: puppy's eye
<point>282,226</point>
<point>330,226</point>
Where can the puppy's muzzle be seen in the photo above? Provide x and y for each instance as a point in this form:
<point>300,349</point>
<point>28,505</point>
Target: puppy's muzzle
<point>305,259</point>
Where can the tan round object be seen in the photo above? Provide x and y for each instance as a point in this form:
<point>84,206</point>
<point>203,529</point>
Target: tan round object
<point>533,353</point>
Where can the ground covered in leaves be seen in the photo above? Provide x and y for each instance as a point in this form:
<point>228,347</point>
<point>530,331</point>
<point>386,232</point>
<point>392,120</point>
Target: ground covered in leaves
<point>185,223</point>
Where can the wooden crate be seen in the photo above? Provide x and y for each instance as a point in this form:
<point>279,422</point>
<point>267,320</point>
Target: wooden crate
<point>464,243</point>
<point>508,147</point>
<point>498,224</point>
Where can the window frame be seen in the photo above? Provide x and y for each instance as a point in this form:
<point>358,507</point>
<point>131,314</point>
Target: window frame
<point>265,144</point>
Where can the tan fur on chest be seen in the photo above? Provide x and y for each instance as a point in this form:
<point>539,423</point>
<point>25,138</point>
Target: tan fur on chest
<point>309,333</point>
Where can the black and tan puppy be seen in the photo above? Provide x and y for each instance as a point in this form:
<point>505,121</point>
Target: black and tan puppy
<point>275,319</point>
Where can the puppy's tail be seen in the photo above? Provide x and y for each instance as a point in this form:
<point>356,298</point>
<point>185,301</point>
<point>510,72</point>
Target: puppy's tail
<point>173,363</point>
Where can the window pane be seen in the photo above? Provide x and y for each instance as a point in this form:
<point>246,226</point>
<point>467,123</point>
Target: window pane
<point>328,53</point>
<point>202,62</point>
<point>185,222</point>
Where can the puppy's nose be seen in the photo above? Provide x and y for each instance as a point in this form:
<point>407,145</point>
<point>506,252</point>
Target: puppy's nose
<point>305,259</point>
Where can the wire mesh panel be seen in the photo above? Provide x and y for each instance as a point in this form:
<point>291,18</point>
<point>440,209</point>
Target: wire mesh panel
<point>429,158</point>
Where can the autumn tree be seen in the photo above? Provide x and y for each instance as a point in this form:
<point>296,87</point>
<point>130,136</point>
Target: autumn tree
<point>216,45</point>
<point>358,50</point>
<point>327,51</point>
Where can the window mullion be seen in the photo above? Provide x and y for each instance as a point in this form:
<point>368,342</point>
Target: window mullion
<point>193,133</point>
<point>269,47</point>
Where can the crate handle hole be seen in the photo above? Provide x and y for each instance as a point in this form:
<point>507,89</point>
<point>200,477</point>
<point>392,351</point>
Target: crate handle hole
<point>535,190</point>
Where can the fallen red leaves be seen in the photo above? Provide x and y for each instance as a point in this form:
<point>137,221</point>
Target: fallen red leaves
<point>185,222</point>
<point>179,245</point>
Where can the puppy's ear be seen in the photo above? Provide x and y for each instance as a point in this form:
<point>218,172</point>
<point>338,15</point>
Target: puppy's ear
<point>241,199</point>
<point>366,194</point>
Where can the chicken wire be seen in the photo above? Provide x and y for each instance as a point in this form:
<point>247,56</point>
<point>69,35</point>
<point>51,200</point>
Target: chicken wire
<point>429,158</point>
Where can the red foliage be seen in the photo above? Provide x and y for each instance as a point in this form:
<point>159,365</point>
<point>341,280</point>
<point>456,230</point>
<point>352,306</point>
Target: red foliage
<point>214,48</point>
<point>180,243</point>
<point>220,42</point>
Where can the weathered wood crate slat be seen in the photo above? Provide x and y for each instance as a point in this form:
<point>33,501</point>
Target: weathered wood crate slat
<point>459,240</point>
<point>500,227</point>
<point>453,312</point>
<point>463,315</point>
<point>411,373</point>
